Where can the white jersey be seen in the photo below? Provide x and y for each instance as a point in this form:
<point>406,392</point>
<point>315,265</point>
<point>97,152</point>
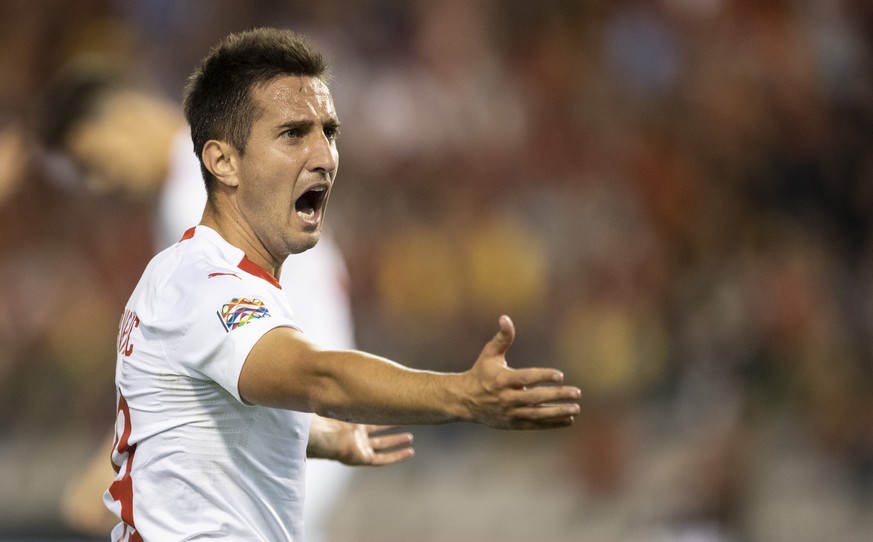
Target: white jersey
<point>193,460</point>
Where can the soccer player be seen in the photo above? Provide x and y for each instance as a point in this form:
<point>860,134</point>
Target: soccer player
<point>123,136</point>
<point>216,380</point>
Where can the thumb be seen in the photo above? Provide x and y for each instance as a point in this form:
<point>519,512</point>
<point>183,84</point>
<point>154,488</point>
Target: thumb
<point>498,345</point>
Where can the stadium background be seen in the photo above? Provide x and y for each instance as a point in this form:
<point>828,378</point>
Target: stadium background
<point>671,197</point>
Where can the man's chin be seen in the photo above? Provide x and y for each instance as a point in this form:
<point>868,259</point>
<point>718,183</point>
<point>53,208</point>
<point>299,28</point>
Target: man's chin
<point>305,241</point>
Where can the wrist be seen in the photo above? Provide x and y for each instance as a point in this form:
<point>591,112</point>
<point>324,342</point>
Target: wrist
<point>323,438</point>
<point>461,389</point>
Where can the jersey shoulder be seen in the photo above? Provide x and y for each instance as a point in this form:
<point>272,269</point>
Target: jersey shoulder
<point>200,271</point>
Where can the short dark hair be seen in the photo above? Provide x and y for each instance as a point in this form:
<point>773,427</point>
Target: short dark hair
<point>218,99</point>
<point>75,95</point>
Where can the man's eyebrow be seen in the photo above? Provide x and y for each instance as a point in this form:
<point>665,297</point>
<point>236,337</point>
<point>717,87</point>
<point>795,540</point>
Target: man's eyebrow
<point>305,125</point>
<point>295,125</point>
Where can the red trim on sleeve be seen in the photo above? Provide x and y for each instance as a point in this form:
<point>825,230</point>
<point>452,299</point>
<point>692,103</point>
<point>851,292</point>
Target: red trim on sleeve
<point>254,269</point>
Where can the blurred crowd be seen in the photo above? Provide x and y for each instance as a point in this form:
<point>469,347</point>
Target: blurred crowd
<point>673,199</point>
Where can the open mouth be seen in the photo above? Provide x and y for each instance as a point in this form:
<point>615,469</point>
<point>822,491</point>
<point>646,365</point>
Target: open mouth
<point>308,205</point>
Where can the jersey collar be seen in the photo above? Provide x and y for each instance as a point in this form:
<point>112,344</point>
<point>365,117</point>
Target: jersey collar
<point>254,269</point>
<point>245,263</point>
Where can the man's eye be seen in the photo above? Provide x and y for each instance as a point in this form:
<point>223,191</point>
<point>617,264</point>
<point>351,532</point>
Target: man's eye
<point>292,133</point>
<point>331,133</point>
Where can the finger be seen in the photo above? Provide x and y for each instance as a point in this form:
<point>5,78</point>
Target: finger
<point>389,458</point>
<point>540,395</point>
<point>374,429</point>
<point>390,449</point>
<point>498,345</point>
<point>520,378</point>
<point>543,417</point>
<point>391,441</point>
<point>550,423</point>
<point>544,412</point>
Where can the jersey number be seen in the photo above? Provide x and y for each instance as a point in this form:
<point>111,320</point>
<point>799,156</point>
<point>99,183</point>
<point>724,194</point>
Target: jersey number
<point>121,489</point>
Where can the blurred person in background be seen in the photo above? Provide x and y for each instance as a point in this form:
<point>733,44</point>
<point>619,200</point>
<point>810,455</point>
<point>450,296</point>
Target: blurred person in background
<point>123,136</point>
<point>12,148</point>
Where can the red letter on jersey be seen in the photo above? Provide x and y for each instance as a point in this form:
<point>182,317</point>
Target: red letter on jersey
<point>128,322</point>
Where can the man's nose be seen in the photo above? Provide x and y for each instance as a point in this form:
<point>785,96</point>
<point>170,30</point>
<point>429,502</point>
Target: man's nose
<point>323,155</point>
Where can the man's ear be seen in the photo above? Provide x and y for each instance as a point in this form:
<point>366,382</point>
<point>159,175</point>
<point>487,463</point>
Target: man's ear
<point>220,158</point>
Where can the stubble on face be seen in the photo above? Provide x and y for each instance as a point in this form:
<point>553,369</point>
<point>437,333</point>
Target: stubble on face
<point>289,165</point>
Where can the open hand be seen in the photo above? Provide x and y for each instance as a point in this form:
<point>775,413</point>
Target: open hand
<point>357,444</point>
<point>506,398</point>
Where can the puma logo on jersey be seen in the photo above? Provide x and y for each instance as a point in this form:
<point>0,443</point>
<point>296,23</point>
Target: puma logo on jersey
<point>212,275</point>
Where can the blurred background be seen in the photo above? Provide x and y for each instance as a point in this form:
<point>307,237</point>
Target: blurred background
<point>672,198</point>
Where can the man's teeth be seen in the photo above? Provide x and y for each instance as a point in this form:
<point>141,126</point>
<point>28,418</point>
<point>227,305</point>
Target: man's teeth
<point>307,205</point>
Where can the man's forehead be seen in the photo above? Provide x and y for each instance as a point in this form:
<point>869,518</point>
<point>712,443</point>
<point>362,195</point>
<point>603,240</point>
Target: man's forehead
<point>297,94</point>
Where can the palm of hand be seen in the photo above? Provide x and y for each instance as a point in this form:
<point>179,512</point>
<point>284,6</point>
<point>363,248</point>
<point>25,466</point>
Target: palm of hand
<point>371,445</point>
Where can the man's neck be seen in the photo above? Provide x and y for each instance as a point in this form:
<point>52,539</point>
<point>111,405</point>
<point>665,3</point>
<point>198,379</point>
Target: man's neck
<point>238,234</point>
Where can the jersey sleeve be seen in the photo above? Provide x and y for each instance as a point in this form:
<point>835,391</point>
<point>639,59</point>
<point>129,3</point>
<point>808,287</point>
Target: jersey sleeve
<point>225,366</point>
<point>221,319</point>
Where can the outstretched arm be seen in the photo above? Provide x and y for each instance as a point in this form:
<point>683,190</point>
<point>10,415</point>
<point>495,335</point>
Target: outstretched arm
<point>285,370</point>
